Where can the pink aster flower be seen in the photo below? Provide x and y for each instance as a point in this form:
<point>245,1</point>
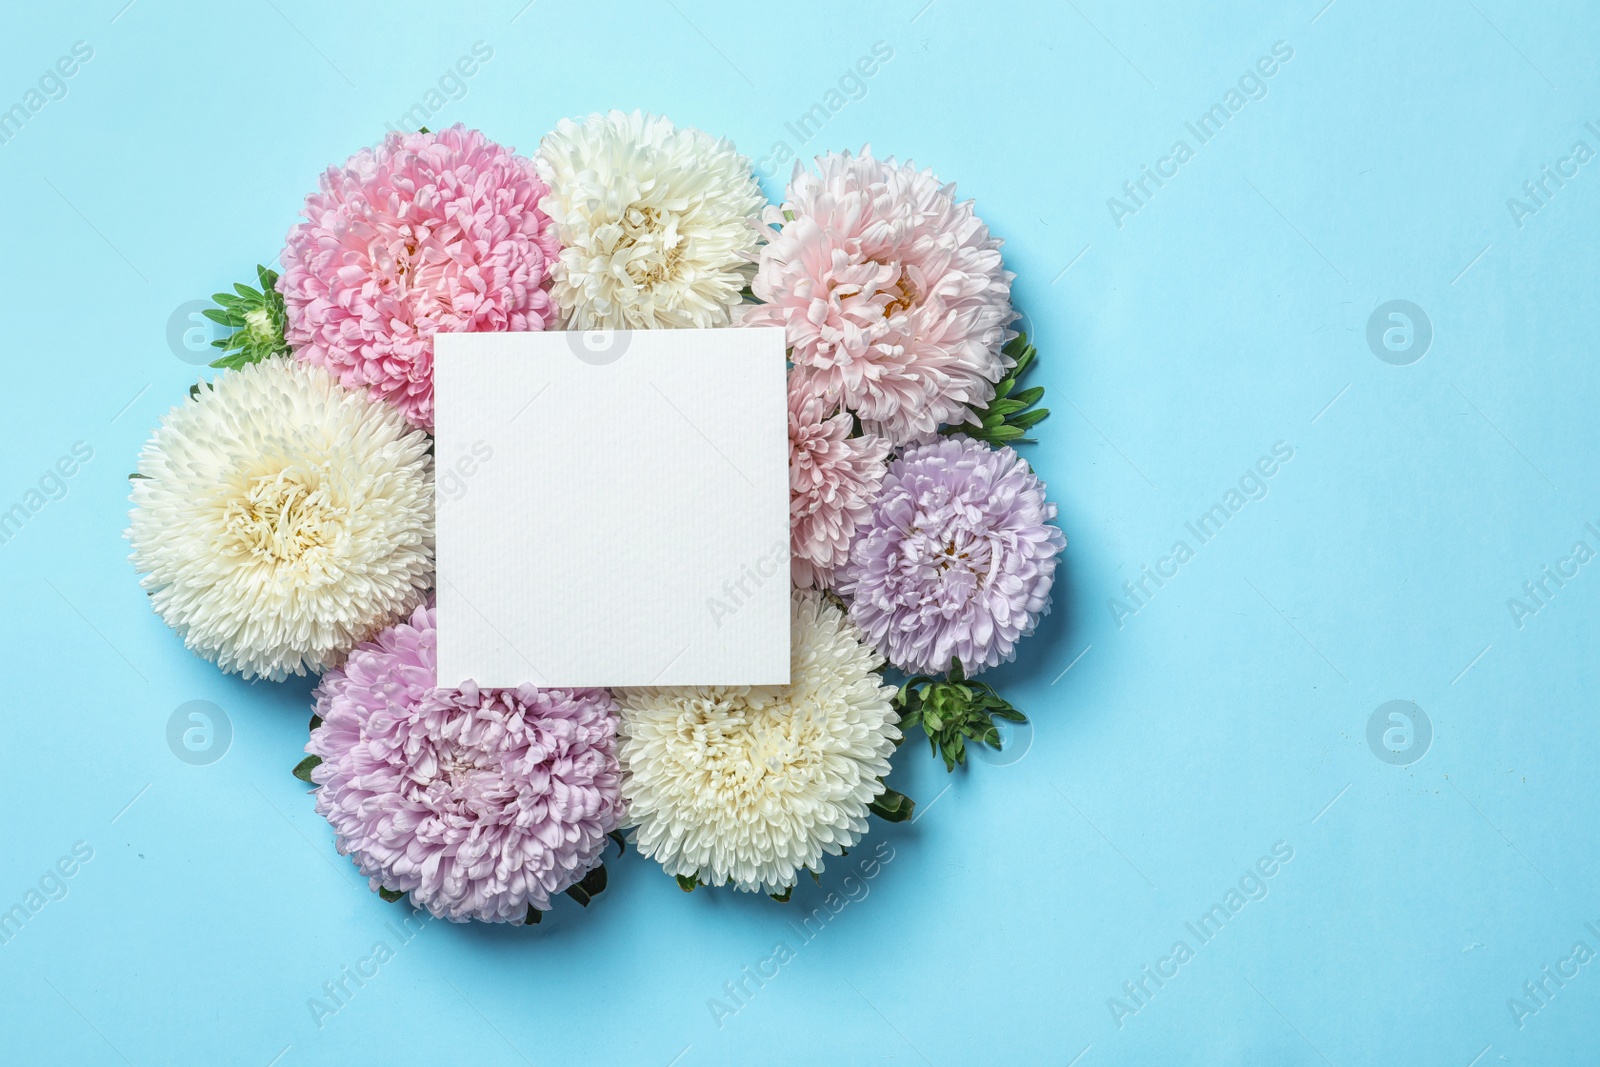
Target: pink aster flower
<point>832,480</point>
<point>480,803</point>
<point>426,232</point>
<point>893,295</point>
<point>957,559</point>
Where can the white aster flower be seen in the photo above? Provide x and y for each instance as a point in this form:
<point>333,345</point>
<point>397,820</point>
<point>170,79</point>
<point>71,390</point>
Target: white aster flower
<point>658,225</point>
<point>750,785</point>
<point>279,519</point>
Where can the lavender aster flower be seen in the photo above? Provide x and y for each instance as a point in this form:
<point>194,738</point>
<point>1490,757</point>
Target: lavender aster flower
<point>956,560</point>
<point>478,802</point>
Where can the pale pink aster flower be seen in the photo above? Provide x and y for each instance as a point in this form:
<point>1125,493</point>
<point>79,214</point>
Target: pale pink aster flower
<point>832,480</point>
<point>428,232</point>
<point>892,294</point>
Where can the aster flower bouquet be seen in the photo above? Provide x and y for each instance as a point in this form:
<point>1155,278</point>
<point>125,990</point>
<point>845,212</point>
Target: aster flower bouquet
<point>282,514</point>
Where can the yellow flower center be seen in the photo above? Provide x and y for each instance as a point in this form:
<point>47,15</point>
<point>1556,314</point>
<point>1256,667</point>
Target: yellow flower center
<point>663,249</point>
<point>285,514</point>
<point>905,298</point>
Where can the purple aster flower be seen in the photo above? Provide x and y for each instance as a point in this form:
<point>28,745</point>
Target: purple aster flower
<point>956,560</point>
<point>478,802</point>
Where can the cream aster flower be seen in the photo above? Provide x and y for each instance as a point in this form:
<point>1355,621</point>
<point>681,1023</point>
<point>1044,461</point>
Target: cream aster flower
<point>279,518</point>
<point>751,785</point>
<point>658,225</point>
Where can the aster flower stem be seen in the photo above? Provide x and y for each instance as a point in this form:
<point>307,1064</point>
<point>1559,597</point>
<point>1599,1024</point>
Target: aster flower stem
<point>953,712</point>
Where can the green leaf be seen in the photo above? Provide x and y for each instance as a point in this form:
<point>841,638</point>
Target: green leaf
<point>533,916</point>
<point>390,895</point>
<point>892,806</point>
<point>302,770</point>
<point>686,884</point>
<point>955,713</point>
<point>592,885</point>
<point>1008,416</point>
<point>621,842</point>
<point>782,898</point>
<point>1029,419</point>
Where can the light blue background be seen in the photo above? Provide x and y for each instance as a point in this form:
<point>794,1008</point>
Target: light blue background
<point>1227,715</point>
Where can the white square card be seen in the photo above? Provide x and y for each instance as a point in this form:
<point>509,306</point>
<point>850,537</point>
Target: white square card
<point>612,508</point>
